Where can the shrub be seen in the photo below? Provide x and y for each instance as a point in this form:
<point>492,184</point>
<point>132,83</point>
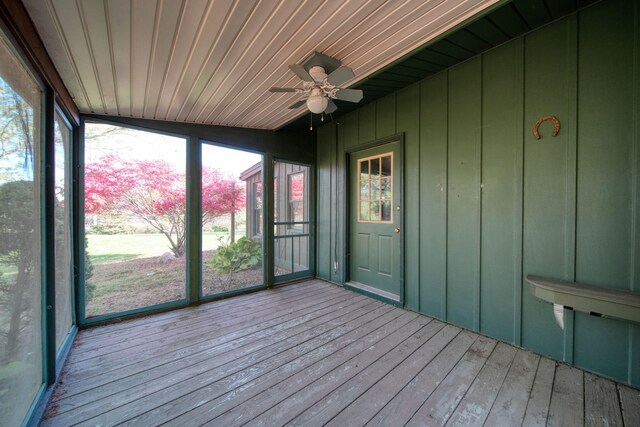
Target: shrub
<point>108,229</point>
<point>89,287</point>
<point>242,255</point>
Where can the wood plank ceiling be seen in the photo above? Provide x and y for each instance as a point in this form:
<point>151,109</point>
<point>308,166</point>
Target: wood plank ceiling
<point>212,61</point>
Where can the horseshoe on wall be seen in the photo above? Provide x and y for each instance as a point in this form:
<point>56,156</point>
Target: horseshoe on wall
<point>556,126</point>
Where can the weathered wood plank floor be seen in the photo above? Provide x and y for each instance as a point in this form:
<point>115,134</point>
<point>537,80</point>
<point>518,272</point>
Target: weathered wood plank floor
<point>315,354</point>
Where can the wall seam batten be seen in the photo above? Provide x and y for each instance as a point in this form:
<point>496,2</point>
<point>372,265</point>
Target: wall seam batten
<point>633,377</point>
<point>479,153</point>
<point>418,130</point>
<point>572,179</point>
<point>519,228</point>
<point>445,204</point>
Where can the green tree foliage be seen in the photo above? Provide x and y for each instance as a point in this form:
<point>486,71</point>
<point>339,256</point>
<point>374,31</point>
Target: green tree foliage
<point>17,235</point>
<point>16,135</point>
<point>19,240</point>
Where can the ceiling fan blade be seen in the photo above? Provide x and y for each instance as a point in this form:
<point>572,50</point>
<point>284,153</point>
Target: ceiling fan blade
<point>349,95</point>
<point>298,104</point>
<point>301,72</point>
<point>283,89</point>
<point>331,107</point>
<point>341,75</point>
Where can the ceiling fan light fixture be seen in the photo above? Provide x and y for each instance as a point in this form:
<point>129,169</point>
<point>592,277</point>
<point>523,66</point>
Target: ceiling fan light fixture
<point>317,103</point>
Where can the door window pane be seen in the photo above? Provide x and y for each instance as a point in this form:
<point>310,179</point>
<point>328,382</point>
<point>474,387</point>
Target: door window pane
<point>135,209</point>
<point>62,230</point>
<point>375,210</point>
<point>232,206</point>
<point>386,166</point>
<point>364,210</point>
<point>295,191</point>
<point>375,167</point>
<point>20,240</point>
<point>364,189</point>
<point>385,214</point>
<point>376,189</point>
<point>364,169</point>
<point>385,185</point>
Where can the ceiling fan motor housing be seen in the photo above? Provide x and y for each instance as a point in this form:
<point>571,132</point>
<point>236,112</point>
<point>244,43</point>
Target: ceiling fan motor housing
<point>318,74</point>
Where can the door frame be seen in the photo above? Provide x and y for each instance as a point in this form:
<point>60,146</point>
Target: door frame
<point>346,262</point>
<point>269,223</point>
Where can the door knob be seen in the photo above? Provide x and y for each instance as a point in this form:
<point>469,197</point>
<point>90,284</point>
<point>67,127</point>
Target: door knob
<point>397,230</point>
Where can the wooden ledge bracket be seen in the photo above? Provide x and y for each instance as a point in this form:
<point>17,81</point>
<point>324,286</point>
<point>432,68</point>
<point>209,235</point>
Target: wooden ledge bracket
<point>596,300</point>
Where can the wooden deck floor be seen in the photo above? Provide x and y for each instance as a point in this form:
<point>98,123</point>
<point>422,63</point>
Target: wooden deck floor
<point>315,354</point>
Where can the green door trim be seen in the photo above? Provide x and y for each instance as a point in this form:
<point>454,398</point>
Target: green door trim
<point>346,223</point>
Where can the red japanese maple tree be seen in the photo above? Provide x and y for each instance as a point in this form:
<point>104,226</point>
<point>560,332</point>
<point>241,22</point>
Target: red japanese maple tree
<point>154,192</point>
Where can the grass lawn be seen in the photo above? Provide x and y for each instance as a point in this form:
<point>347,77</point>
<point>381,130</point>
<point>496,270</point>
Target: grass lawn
<point>106,248</point>
<point>127,273</point>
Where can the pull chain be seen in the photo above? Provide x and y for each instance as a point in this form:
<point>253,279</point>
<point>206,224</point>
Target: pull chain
<point>311,120</point>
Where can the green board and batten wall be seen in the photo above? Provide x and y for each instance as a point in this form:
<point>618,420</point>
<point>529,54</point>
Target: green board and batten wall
<point>486,204</point>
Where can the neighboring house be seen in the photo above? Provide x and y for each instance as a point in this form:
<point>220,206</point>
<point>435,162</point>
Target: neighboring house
<point>254,196</point>
<point>290,215</point>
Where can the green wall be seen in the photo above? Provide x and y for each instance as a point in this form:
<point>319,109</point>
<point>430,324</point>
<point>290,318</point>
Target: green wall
<point>486,204</point>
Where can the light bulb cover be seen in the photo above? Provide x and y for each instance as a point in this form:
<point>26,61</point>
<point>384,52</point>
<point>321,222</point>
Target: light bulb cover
<point>317,103</point>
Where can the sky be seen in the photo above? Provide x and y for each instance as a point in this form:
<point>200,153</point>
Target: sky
<point>136,144</point>
<point>229,160</point>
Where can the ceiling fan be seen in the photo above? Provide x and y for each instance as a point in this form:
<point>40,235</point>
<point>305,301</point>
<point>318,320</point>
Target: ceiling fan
<point>321,77</point>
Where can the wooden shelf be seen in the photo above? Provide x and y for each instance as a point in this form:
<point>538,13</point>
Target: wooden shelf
<point>607,302</point>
